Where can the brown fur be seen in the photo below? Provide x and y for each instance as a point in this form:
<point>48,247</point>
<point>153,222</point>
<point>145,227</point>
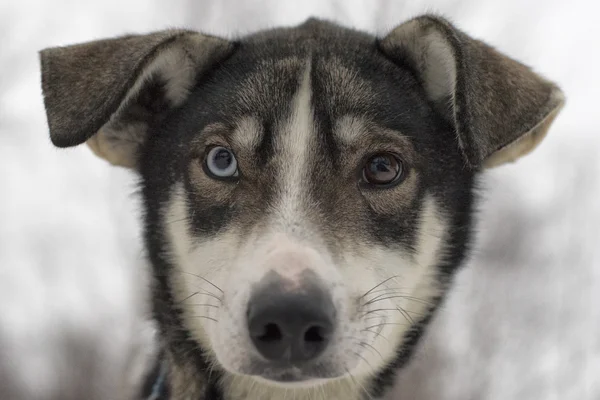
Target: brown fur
<point>496,99</point>
<point>85,85</point>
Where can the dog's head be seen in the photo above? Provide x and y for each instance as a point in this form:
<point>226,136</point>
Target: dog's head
<point>308,191</point>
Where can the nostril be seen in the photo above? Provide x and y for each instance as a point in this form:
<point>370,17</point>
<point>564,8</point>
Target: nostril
<point>269,337</point>
<point>314,334</point>
<point>312,342</point>
<point>271,333</point>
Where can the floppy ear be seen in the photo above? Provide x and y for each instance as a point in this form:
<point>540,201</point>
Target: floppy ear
<point>499,108</point>
<point>108,92</point>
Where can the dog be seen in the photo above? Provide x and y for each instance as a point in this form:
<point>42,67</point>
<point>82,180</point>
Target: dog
<point>309,192</point>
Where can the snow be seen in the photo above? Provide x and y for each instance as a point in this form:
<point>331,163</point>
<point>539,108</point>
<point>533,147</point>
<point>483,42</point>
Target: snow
<point>523,320</point>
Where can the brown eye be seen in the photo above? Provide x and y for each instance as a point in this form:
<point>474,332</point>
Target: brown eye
<point>383,169</point>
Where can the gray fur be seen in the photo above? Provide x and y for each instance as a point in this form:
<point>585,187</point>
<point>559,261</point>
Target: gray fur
<point>493,100</point>
<point>85,85</point>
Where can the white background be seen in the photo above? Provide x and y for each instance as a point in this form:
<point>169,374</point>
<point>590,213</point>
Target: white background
<point>523,321</point>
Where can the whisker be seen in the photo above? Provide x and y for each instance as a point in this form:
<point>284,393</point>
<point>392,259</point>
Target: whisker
<point>388,288</point>
<point>189,297</point>
<point>386,293</point>
<point>204,305</point>
<point>207,293</point>
<point>405,315</point>
<point>358,384</point>
<point>403,311</point>
<point>204,279</point>
<point>383,324</point>
<point>376,286</point>
<point>374,317</point>
<point>366,303</point>
<point>416,299</point>
<point>376,310</point>
<point>414,312</point>
<point>204,316</point>
<point>376,334</point>
<point>174,221</point>
<point>363,344</point>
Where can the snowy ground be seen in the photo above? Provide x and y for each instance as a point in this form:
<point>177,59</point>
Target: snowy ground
<point>523,321</point>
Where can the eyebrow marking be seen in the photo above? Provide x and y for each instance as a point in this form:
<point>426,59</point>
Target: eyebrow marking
<point>247,134</point>
<point>349,129</point>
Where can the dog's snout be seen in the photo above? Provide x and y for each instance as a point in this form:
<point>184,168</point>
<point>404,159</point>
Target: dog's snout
<point>291,326</point>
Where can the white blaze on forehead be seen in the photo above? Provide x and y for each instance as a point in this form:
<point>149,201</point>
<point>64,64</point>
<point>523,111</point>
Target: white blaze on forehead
<point>293,147</point>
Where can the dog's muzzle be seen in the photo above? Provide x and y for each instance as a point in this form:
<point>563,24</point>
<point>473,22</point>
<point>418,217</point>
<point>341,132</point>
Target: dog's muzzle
<point>290,322</point>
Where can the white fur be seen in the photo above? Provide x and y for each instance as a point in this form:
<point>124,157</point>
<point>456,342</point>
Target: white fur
<point>288,245</point>
<point>292,148</point>
<point>349,129</point>
<point>247,135</point>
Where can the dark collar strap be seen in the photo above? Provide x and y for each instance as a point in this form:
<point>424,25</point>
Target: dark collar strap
<point>156,386</point>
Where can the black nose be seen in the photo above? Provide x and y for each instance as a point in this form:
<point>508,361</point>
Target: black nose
<point>290,326</point>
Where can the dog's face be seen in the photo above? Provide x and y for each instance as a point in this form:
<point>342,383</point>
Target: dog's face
<point>308,191</point>
<point>306,221</point>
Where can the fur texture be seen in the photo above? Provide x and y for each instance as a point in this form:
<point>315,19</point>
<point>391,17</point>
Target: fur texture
<point>302,110</point>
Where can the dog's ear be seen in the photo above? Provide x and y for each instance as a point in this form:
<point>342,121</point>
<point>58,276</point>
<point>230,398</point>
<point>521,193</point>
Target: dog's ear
<point>499,108</point>
<point>107,92</point>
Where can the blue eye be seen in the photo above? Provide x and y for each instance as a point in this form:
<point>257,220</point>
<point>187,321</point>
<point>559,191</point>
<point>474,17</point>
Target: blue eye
<point>220,163</point>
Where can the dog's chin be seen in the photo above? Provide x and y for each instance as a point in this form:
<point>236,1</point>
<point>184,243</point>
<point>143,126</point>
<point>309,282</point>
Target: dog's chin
<point>290,376</point>
<point>290,379</point>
